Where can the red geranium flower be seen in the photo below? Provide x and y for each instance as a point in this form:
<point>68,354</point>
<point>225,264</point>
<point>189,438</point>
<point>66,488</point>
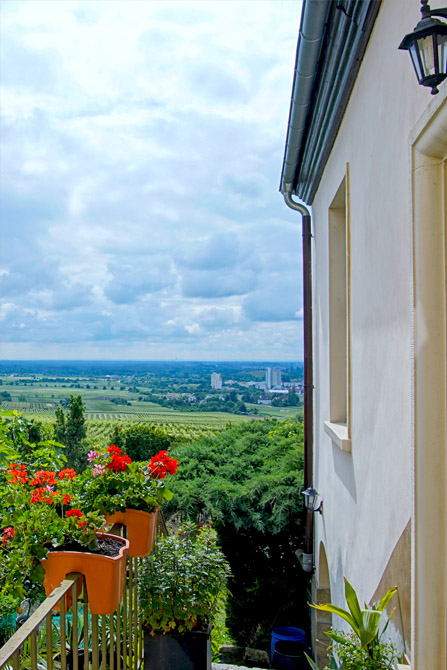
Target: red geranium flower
<point>44,478</point>
<point>67,473</point>
<point>162,464</point>
<point>8,534</point>
<point>18,474</point>
<point>119,463</point>
<point>43,494</point>
<point>113,449</point>
<point>75,512</point>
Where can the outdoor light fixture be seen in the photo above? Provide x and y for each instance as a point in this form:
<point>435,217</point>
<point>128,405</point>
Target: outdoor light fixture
<point>427,45</point>
<point>310,500</point>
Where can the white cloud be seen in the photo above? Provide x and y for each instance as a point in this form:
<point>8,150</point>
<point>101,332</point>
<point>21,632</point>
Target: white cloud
<point>141,154</point>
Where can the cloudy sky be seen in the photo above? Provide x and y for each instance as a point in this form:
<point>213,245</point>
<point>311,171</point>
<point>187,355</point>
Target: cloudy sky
<point>141,153</point>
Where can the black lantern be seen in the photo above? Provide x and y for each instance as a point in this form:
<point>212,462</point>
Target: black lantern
<point>310,500</point>
<point>427,45</point>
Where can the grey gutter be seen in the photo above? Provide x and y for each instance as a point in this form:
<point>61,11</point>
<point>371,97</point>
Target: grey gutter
<point>343,41</point>
<point>310,39</point>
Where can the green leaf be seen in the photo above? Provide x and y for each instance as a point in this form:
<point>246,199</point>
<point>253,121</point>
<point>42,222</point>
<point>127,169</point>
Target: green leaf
<point>333,635</point>
<point>354,607</point>
<point>312,663</point>
<point>333,665</point>
<point>370,626</point>
<point>386,598</point>
<point>334,609</point>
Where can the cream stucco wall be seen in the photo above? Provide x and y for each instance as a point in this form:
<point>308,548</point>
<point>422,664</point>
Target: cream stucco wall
<point>368,493</point>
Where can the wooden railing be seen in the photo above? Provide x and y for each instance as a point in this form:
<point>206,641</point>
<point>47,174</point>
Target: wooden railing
<point>75,639</point>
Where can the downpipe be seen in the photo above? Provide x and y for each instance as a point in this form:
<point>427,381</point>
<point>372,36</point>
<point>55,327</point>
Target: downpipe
<point>308,362</point>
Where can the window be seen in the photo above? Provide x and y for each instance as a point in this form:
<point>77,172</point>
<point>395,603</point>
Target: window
<point>339,368</point>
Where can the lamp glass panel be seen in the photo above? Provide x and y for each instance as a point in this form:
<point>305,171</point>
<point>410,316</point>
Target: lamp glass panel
<point>414,53</point>
<point>442,53</point>
<point>312,500</point>
<point>426,46</point>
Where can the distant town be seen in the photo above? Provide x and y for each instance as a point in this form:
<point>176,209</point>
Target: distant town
<point>273,386</point>
<point>138,388</point>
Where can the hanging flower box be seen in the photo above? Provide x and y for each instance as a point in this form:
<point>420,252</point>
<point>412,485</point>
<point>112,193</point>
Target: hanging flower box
<point>104,575</point>
<point>141,527</point>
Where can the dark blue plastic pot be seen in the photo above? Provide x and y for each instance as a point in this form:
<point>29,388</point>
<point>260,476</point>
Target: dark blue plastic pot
<point>175,651</point>
<point>286,634</point>
<point>289,655</point>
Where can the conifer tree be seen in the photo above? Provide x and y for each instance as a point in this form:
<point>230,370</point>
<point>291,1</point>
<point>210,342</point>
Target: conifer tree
<point>70,430</point>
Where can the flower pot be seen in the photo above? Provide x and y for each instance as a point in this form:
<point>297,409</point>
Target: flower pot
<point>81,657</point>
<point>178,651</point>
<point>141,528</point>
<point>289,655</point>
<point>104,575</point>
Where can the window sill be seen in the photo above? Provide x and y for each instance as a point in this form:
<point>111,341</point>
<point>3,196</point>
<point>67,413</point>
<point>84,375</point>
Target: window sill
<point>338,432</point>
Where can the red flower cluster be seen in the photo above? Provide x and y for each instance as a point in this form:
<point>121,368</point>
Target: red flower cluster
<point>118,462</point>
<point>67,473</point>
<point>18,474</point>
<point>75,512</point>
<point>44,478</point>
<point>8,534</point>
<point>78,514</point>
<point>41,494</point>
<point>161,464</point>
<point>44,483</point>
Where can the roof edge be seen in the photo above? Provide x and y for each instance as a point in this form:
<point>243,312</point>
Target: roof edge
<point>310,39</point>
<point>317,110</point>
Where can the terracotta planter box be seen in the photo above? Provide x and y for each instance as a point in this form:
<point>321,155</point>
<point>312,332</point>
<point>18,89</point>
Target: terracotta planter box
<point>178,651</point>
<point>141,527</point>
<point>104,575</point>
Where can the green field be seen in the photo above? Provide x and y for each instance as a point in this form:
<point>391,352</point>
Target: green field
<point>38,397</point>
<point>270,412</point>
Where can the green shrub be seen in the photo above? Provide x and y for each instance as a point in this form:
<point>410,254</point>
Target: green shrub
<point>140,441</point>
<point>362,647</point>
<point>247,479</point>
<point>183,581</point>
<point>379,656</point>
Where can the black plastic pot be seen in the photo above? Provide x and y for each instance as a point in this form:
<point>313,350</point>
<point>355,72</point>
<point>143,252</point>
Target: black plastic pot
<point>178,651</point>
<point>70,659</point>
<point>289,655</point>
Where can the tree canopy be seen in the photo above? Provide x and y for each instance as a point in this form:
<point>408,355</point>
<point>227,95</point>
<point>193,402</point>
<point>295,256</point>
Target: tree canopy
<point>140,441</point>
<point>248,481</point>
<point>70,430</point>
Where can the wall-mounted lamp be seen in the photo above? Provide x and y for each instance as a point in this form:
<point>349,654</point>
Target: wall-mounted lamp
<point>427,45</point>
<point>310,500</point>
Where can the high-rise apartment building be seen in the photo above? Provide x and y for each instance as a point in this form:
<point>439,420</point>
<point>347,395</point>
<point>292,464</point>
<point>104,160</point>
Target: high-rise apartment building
<point>272,377</point>
<point>216,380</point>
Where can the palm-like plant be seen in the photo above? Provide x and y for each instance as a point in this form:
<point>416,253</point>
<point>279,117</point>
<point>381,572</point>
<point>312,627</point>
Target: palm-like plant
<point>365,622</point>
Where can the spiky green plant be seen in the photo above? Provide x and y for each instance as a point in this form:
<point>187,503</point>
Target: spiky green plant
<point>365,623</point>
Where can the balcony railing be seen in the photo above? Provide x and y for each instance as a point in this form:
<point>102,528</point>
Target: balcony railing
<point>75,639</point>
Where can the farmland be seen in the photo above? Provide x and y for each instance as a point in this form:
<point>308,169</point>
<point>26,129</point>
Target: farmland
<point>100,423</point>
<point>178,399</point>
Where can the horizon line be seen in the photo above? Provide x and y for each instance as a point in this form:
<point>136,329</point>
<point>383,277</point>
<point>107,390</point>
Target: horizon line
<point>142,360</point>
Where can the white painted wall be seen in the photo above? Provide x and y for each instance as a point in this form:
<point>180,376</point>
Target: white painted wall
<point>368,493</point>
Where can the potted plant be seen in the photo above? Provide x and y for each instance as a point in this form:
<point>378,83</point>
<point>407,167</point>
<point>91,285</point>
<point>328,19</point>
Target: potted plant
<point>128,493</point>
<point>363,646</point>
<point>40,522</point>
<point>181,585</point>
